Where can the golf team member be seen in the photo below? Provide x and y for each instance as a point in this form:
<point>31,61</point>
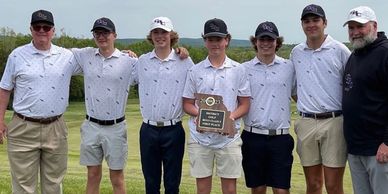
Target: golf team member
<point>218,75</point>
<point>319,65</point>
<point>267,145</point>
<point>161,75</point>
<point>107,77</point>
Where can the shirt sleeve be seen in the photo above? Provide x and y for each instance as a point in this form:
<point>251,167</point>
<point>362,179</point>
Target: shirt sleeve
<point>244,89</point>
<point>134,75</point>
<point>345,53</point>
<point>76,61</point>
<point>77,69</point>
<point>9,75</point>
<point>189,90</point>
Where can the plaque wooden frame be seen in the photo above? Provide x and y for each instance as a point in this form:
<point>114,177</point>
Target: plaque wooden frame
<point>213,115</point>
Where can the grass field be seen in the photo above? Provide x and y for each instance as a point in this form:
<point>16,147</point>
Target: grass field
<point>75,179</point>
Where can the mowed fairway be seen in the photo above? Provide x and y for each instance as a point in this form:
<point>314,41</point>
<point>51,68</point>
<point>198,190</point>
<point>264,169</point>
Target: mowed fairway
<point>75,179</point>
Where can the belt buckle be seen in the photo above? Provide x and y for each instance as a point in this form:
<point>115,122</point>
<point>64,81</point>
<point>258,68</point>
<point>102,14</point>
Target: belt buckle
<point>271,132</point>
<point>159,123</point>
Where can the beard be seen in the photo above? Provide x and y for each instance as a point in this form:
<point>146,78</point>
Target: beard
<point>361,42</point>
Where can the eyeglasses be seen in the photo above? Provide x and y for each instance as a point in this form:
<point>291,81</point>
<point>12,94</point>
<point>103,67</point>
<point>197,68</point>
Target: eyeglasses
<point>45,28</point>
<point>97,34</point>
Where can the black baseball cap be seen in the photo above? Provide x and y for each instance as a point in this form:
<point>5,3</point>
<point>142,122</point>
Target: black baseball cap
<point>314,10</point>
<point>104,23</point>
<point>215,27</point>
<point>42,16</point>
<point>267,29</point>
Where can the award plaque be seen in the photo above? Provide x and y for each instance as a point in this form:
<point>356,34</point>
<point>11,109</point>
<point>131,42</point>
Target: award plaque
<point>213,115</point>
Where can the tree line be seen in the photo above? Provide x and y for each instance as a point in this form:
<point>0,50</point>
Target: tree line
<point>9,40</point>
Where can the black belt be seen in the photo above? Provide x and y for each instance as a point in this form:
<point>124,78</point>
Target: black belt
<point>36,120</point>
<point>105,122</point>
<point>324,115</point>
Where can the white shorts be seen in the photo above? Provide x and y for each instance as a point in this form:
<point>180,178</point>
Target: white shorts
<point>228,160</point>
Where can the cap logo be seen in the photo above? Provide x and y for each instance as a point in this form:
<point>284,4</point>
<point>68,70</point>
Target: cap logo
<point>41,15</point>
<point>158,21</point>
<point>214,27</point>
<point>355,13</point>
<point>267,27</point>
<point>102,22</point>
<point>311,8</point>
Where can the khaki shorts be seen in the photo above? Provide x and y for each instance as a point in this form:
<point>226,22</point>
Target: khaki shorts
<point>227,160</point>
<point>98,141</point>
<point>321,141</point>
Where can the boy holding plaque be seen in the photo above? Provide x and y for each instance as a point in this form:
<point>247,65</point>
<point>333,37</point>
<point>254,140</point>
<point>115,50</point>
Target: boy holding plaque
<point>224,82</point>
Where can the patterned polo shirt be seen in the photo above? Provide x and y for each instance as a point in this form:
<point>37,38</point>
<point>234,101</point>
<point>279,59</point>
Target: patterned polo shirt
<point>271,86</point>
<point>40,80</point>
<point>161,84</point>
<point>228,81</point>
<point>106,82</point>
<point>319,75</point>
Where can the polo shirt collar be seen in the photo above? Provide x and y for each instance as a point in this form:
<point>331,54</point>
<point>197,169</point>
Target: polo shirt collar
<point>53,50</point>
<point>116,53</point>
<point>171,57</point>
<point>276,60</point>
<point>227,63</point>
<point>327,44</point>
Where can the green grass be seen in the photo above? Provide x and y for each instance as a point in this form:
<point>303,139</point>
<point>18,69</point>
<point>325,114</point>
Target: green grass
<point>75,179</point>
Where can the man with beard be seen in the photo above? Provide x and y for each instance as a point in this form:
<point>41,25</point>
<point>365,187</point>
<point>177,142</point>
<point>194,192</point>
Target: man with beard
<point>365,103</point>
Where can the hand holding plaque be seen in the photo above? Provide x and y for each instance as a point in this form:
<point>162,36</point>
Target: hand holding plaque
<point>213,115</point>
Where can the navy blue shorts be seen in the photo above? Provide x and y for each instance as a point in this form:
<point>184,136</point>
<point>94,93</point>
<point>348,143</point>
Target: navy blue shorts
<point>267,160</point>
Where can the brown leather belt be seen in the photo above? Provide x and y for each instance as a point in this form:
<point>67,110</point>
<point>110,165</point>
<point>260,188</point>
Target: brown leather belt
<point>41,120</point>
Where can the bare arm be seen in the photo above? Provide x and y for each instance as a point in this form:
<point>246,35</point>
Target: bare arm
<point>189,107</point>
<point>4,100</point>
<point>242,108</point>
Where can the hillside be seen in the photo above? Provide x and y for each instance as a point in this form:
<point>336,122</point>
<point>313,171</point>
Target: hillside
<point>194,42</point>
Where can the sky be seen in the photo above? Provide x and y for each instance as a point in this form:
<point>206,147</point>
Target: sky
<point>133,18</point>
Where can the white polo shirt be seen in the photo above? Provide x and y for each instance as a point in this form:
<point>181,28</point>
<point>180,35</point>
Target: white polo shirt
<point>228,81</point>
<point>161,84</point>
<point>271,86</point>
<point>106,82</point>
<point>319,75</point>
<point>40,80</point>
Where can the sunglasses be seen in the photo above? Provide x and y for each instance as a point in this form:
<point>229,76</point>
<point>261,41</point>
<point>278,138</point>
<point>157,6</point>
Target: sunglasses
<point>45,28</point>
<point>97,34</point>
